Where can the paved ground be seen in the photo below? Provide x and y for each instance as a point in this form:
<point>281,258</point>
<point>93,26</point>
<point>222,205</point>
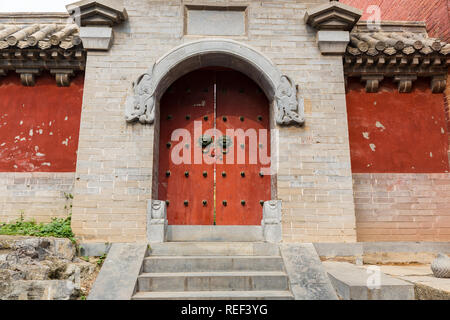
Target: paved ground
<point>427,287</point>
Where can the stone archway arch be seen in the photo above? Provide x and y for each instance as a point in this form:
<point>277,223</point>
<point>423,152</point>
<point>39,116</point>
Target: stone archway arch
<point>151,85</point>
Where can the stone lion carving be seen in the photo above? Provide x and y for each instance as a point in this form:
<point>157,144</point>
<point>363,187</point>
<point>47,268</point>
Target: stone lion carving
<point>272,212</point>
<point>158,210</point>
<point>289,108</point>
<point>140,106</point>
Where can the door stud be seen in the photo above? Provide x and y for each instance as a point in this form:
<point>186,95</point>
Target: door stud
<point>205,203</point>
<point>167,173</point>
<point>169,117</point>
<point>261,202</point>
<point>243,202</point>
<point>261,174</point>
<point>224,119</point>
<point>242,119</point>
<point>188,117</point>
<point>224,202</point>
<point>205,118</point>
<point>186,203</point>
<point>205,174</point>
<point>186,173</point>
<point>242,174</point>
<point>168,145</point>
<point>260,118</point>
<point>224,174</point>
<point>167,202</point>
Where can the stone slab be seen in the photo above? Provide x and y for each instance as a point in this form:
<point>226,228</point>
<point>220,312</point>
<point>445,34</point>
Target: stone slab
<point>215,233</point>
<point>214,249</point>
<point>215,295</point>
<point>354,283</point>
<point>307,276</point>
<point>94,249</point>
<point>119,273</point>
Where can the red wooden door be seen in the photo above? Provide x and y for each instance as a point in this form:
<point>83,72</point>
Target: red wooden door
<point>188,187</point>
<point>243,108</point>
<point>226,186</point>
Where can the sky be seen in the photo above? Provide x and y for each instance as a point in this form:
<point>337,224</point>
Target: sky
<point>34,5</point>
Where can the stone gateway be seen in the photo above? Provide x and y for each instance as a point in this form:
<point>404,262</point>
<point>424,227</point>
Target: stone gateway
<point>278,121</point>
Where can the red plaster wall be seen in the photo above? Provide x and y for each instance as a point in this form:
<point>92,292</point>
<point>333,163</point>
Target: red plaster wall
<point>407,131</point>
<point>434,12</point>
<point>39,126</point>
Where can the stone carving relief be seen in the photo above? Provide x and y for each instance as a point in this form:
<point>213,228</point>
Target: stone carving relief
<point>140,105</point>
<point>289,108</point>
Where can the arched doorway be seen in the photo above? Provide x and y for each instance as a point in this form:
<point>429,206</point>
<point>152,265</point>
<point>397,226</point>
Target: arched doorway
<point>214,149</point>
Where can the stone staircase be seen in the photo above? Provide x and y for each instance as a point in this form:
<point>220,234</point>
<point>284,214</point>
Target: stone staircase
<point>219,270</point>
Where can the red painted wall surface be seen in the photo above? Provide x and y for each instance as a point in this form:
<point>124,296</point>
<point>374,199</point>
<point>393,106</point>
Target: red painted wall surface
<point>395,132</point>
<point>39,126</point>
<point>436,13</point>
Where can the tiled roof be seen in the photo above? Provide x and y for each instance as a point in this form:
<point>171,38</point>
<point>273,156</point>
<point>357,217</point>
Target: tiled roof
<point>399,50</point>
<point>39,36</point>
<point>390,43</point>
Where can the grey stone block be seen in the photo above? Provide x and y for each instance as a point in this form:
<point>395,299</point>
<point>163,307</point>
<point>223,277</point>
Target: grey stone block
<point>94,249</point>
<point>356,283</point>
<point>307,276</point>
<point>215,233</point>
<point>119,273</point>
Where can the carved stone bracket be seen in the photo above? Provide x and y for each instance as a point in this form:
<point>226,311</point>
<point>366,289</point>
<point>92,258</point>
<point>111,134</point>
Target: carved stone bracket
<point>372,82</point>
<point>438,83</point>
<point>405,82</point>
<point>271,222</point>
<point>27,76</point>
<point>62,76</point>
<point>156,221</point>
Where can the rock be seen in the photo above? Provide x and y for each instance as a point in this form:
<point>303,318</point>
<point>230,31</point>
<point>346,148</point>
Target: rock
<point>41,290</point>
<point>34,268</point>
<point>441,266</point>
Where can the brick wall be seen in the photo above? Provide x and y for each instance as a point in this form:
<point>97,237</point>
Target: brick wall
<point>436,13</point>
<point>115,160</point>
<point>402,207</point>
<point>37,195</point>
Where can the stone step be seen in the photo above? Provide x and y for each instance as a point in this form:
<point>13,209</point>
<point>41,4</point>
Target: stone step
<point>352,282</point>
<point>214,233</point>
<point>213,281</point>
<point>214,249</point>
<point>212,263</point>
<point>215,295</point>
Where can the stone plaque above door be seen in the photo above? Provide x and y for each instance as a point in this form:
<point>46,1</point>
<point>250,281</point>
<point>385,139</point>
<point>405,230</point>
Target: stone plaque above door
<point>215,21</point>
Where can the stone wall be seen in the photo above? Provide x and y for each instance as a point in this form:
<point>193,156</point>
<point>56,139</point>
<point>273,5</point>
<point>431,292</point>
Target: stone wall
<point>115,159</point>
<point>402,207</point>
<point>36,195</point>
